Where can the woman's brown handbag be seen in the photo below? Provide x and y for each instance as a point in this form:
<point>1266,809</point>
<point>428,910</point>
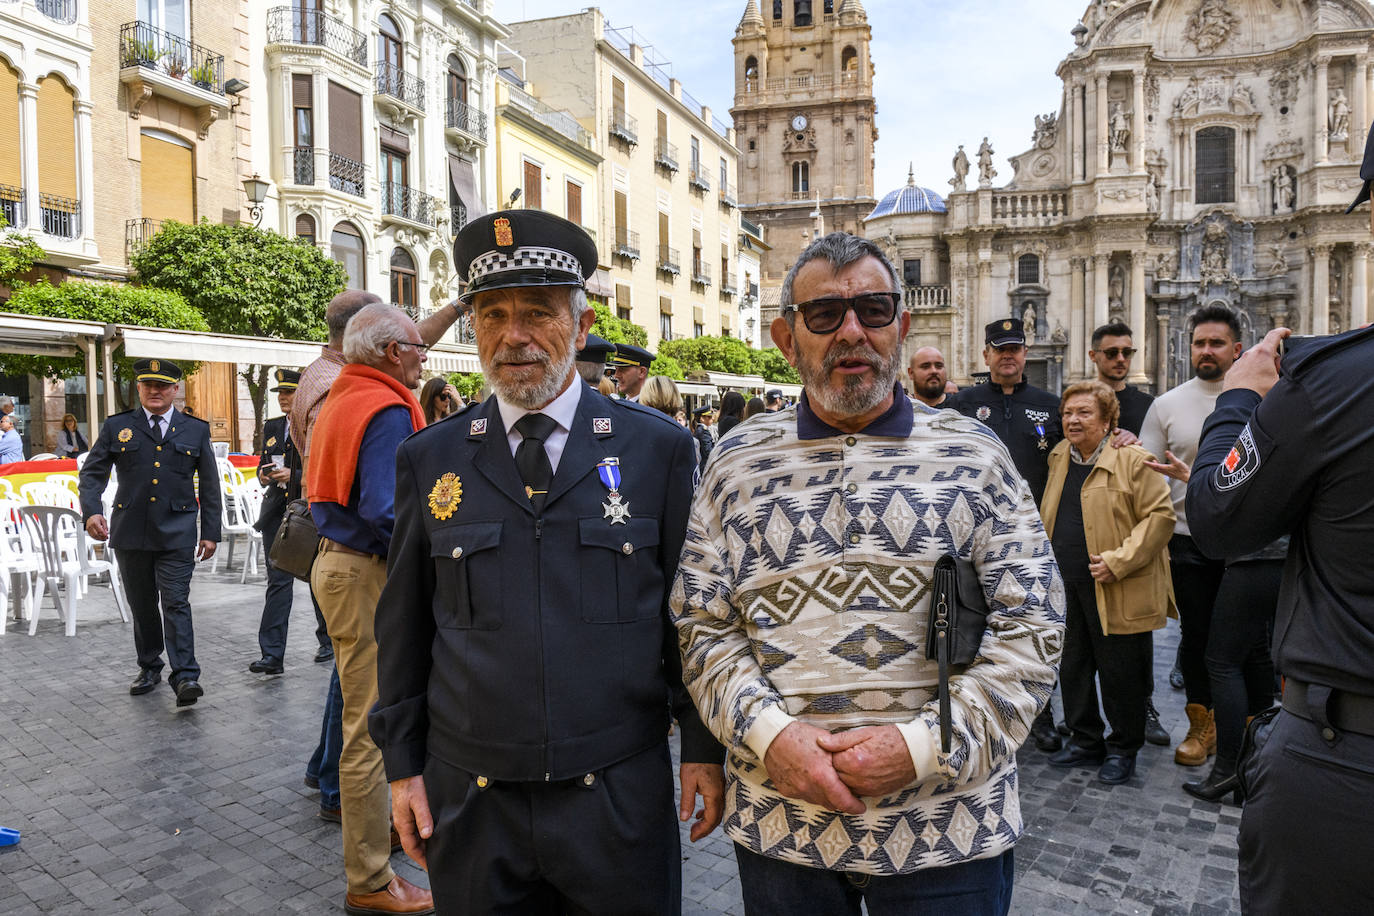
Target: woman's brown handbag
<point>297,542</point>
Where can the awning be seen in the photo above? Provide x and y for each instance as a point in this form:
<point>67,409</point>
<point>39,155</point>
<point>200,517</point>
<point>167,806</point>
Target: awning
<point>217,348</point>
<point>40,336</point>
<point>465,183</point>
<point>696,389</point>
<point>452,360</point>
<point>788,391</point>
<point>726,380</point>
<point>599,283</point>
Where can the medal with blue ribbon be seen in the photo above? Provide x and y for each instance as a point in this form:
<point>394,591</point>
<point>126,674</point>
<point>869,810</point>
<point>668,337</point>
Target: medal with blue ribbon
<point>1043,443</point>
<point>617,510</point>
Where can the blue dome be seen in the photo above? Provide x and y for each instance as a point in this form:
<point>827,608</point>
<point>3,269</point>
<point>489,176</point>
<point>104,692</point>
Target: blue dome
<point>910,199</point>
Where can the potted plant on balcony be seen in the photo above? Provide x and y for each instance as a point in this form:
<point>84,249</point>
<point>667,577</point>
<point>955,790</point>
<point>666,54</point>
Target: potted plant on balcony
<point>176,66</point>
<point>141,52</point>
<point>204,76</point>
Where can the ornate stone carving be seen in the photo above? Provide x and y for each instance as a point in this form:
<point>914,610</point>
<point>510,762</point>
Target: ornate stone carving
<point>1284,181</point>
<point>1210,25</point>
<point>1166,268</point>
<point>958,182</point>
<point>1278,264</point>
<point>1151,93</point>
<point>1118,195</point>
<point>1116,291</point>
<point>1338,116</point>
<point>1028,323</point>
<point>139,94</point>
<point>1119,134</point>
<point>1216,255</point>
<point>1046,127</point>
<point>205,116</point>
<point>1060,336</point>
<point>1283,150</point>
<point>1283,88</point>
<point>985,170</point>
<point>800,142</point>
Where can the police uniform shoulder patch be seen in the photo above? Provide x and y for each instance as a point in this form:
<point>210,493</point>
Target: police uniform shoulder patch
<point>125,434</point>
<point>1240,463</point>
<point>445,497</point>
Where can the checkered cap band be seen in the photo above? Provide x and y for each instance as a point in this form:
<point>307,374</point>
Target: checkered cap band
<point>495,262</point>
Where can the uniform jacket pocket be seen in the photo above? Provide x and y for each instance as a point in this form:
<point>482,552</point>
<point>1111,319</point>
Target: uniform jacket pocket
<point>468,575</point>
<point>622,578</point>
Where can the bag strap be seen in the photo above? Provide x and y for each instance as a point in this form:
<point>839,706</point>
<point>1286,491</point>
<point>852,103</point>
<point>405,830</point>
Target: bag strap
<point>941,612</point>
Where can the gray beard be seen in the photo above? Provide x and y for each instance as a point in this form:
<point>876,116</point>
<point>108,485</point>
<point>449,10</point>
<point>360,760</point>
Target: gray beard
<point>857,395</point>
<point>533,395</point>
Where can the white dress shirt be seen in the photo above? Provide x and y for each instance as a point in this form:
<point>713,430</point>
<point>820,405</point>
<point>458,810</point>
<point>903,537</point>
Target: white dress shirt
<point>561,410</point>
<point>164,425</point>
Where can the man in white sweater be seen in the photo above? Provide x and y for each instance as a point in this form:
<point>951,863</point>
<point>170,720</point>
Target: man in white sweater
<point>1171,431</point>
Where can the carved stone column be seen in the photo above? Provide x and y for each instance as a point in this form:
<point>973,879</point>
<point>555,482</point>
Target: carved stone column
<point>1078,347</point>
<point>1101,132</point>
<point>1359,115</point>
<point>28,127</point>
<point>85,172</point>
<point>1101,287</point>
<point>1137,314</point>
<point>1071,125</point>
<point>1321,288</point>
<point>984,312</point>
<point>1161,352</point>
<point>1321,140</point>
<point>1138,122</point>
<point>1359,289</point>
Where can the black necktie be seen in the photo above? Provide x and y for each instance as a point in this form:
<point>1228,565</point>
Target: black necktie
<point>531,459</point>
<point>156,420</point>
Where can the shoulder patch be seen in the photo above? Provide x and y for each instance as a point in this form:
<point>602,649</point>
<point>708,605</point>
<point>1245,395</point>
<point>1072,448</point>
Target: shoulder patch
<point>1240,464</point>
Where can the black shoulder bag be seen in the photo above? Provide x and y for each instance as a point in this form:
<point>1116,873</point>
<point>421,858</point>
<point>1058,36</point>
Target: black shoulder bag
<point>298,540</point>
<point>958,617</point>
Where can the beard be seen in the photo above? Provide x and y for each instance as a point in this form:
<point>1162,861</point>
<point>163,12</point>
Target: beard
<point>542,389</point>
<point>1210,372</point>
<point>932,388</point>
<point>856,395</point>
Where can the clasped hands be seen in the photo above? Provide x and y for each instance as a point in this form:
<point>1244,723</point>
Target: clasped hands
<point>836,771</point>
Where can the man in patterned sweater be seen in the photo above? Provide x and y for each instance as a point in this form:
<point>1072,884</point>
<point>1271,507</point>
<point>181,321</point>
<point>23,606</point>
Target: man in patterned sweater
<point>802,603</point>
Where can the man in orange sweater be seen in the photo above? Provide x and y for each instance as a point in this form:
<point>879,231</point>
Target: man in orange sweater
<point>351,478</point>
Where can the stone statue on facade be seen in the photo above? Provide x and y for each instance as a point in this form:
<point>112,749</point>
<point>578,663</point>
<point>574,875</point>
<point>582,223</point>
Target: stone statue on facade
<point>1210,25</point>
<point>1119,132</point>
<point>1278,264</point>
<point>960,170</point>
<point>1165,267</point>
<point>985,170</point>
<point>1045,127</point>
<point>1216,255</point>
<point>1028,323</point>
<point>1338,116</point>
<point>1151,193</point>
<point>1283,189</point>
<point>1116,292</point>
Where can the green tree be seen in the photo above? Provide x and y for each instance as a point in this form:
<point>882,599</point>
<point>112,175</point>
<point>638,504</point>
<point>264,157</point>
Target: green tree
<point>18,254</point>
<point>710,354</point>
<point>469,384</point>
<point>612,328</point>
<point>666,365</point>
<point>772,365</point>
<point>244,280</point>
<point>100,302</point>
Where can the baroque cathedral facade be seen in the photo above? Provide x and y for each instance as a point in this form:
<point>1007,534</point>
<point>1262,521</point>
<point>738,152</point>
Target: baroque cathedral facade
<point>1203,151</point>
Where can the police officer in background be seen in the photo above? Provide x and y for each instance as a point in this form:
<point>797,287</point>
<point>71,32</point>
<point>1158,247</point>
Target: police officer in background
<point>1026,419</point>
<point>1290,450</point>
<point>159,452</point>
<point>631,369</point>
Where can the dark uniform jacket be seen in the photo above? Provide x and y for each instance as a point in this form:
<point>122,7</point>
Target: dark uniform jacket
<point>275,497</point>
<point>1027,422</point>
<point>155,503</point>
<point>533,648</point>
<point>1300,461</point>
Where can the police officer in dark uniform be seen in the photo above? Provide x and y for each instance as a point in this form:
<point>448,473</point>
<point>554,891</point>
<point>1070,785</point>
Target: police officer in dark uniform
<point>527,664</point>
<point>1026,419</point>
<point>631,369</point>
<point>159,453</point>
<point>279,471</point>
<point>1290,451</point>
<point>593,359</point>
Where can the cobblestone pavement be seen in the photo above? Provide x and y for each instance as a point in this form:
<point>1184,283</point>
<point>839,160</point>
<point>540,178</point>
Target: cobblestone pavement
<point>128,805</point>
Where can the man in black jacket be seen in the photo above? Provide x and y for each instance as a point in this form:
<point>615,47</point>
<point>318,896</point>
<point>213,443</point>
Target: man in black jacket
<point>160,452</point>
<point>527,666</point>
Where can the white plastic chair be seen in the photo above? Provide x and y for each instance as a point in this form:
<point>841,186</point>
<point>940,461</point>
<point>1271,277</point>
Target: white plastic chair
<point>250,503</point>
<point>6,489</point>
<point>46,456</point>
<point>236,521</point>
<point>45,493</point>
<point>221,450</point>
<point>48,527</point>
<point>19,564</point>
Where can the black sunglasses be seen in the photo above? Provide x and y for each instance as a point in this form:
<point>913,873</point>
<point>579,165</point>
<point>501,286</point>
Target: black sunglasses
<point>824,316</point>
<point>1114,352</point>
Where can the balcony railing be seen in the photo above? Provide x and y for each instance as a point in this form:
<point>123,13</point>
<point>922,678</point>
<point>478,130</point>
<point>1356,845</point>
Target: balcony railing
<point>290,25</point>
<point>63,11</point>
<point>303,165</point>
<point>698,179</point>
<point>626,243</point>
<point>560,121</point>
<point>467,118</point>
<point>624,128</point>
<point>1030,208</point>
<point>346,175</point>
<point>701,274</point>
<point>665,155</point>
<point>457,217</point>
<point>144,45</point>
<point>729,284</point>
<point>400,85</point>
<point>137,232</point>
<point>61,216</point>
<point>408,203</point>
<point>669,261</point>
<point>926,297</point>
<point>727,196</point>
<point>801,195</point>
<point>12,206</point>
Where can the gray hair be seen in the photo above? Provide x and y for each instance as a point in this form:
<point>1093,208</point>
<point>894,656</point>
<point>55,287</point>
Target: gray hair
<point>372,330</point>
<point>577,301</point>
<point>841,249</point>
<point>343,307</point>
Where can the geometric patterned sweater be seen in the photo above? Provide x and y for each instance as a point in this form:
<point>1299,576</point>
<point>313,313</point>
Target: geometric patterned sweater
<point>803,593</point>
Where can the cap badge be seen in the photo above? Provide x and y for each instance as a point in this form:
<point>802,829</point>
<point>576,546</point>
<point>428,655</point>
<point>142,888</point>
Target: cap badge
<point>478,427</point>
<point>616,509</point>
<point>271,441</point>
<point>601,425</point>
<point>125,434</point>
<point>501,227</point>
<point>446,495</point>
<point>154,365</point>
<point>1006,325</point>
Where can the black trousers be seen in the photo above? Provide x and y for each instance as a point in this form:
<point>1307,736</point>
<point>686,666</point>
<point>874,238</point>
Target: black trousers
<point>276,607</point>
<point>1196,581</point>
<point>1307,831</point>
<point>161,576</point>
<point>1121,662</point>
<point>1238,650</point>
<point>604,844</point>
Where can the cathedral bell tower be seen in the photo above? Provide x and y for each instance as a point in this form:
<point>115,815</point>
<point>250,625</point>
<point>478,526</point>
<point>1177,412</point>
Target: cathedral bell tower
<point>804,121</point>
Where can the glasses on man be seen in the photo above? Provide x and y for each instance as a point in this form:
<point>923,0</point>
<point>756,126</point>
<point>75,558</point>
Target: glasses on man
<point>1115,352</point>
<point>419,347</point>
<point>824,316</point>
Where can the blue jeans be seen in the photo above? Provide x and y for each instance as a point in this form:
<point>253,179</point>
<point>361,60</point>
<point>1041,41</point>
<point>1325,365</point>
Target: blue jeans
<point>772,887</point>
<point>324,763</point>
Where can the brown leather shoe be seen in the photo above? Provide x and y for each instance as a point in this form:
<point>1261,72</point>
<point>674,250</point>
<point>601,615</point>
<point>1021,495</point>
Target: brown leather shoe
<point>400,896</point>
<point>1201,741</point>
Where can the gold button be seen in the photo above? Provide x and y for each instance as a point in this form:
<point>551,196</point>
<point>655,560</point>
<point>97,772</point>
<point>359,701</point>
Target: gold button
<point>152,499</point>
<point>457,552</point>
<point>157,464</point>
<point>852,488</point>
<point>854,538</point>
<point>851,441</point>
<point>589,779</point>
<point>482,782</point>
<point>154,480</point>
<point>158,447</point>
<point>627,548</point>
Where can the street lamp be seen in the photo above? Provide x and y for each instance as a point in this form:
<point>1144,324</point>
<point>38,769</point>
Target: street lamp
<point>256,189</point>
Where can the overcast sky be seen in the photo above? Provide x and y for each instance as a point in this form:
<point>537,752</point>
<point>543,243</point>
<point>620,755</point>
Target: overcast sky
<point>946,72</point>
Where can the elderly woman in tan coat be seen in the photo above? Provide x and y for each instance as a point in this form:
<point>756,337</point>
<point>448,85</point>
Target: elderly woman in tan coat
<point>1109,517</point>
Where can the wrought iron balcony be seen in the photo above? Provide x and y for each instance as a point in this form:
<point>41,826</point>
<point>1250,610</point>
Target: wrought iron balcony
<point>137,232</point>
<point>624,128</point>
<point>291,25</point>
<point>61,216</point>
<point>145,45</point>
<point>408,203</point>
<point>12,206</point>
<point>701,274</point>
<point>346,175</point>
<point>729,284</point>
<point>727,196</point>
<point>467,118</point>
<point>698,179</point>
<point>400,85</point>
<point>669,260</point>
<point>458,217</point>
<point>626,244</point>
<point>665,155</point>
<point>303,165</point>
<point>63,11</point>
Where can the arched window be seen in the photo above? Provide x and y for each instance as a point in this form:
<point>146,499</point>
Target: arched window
<point>1215,174</point>
<point>751,73</point>
<point>849,59</point>
<point>1028,269</point>
<point>390,50</point>
<point>346,246</point>
<point>11,170</point>
<point>457,80</point>
<point>801,177</point>
<point>57,156</point>
<point>402,278</point>
<point>305,227</point>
